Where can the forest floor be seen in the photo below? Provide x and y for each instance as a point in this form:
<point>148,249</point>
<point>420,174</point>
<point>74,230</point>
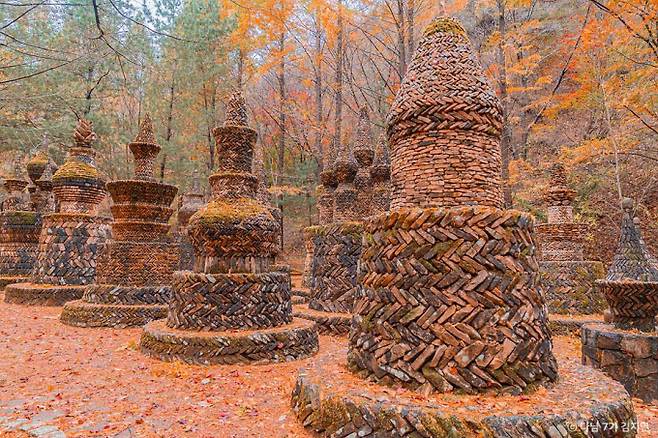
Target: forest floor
<point>64,381</point>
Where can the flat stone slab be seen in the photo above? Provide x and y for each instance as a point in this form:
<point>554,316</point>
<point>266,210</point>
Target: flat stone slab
<point>32,294</point>
<point>569,325</point>
<point>82,314</point>
<point>330,323</point>
<point>331,400</point>
<point>11,279</point>
<point>629,357</point>
<point>289,342</point>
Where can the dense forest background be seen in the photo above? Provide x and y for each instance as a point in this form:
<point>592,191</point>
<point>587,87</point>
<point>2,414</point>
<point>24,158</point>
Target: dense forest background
<point>577,80</point>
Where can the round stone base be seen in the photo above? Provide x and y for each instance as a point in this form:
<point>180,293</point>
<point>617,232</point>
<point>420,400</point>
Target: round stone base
<point>11,279</point>
<point>334,402</point>
<point>327,322</point>
<point>82,314</point>
<point>294,341</point>
<point>32,294</point>
<point>631,358</point>
<point>569,325</point>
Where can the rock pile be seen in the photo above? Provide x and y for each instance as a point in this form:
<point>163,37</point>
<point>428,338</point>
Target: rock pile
<point>450,302</point>
<point>71,239</point>
<point>134,272</point>
<point>235,307</point>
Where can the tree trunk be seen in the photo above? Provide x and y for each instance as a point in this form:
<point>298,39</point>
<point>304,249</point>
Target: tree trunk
<point>338,113</point>
<point>411,29</point>
<point>319,153</point>
<point>282,122</point>
<point>402,40</point>
<point>506,139</point>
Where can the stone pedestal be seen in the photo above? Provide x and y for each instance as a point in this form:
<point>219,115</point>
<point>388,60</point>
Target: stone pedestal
<point>235,307</point>
<point>568,281</point>
<point>630,358</point>
<point>19,243</point>
<point>627,347</point>
<point>309,247</point>
<point>134,272</point>
<point>450,314</point>
<point>71,240</point>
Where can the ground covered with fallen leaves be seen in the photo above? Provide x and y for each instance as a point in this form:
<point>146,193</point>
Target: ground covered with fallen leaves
<point>94,382</point>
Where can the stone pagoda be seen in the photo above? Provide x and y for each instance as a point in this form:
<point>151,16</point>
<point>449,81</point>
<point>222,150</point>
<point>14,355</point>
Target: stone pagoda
<point>364,155</point>
<point>626,348</point>
<point>380,175</point>
<point>20,227</point>
<point>234,307</point>
<point>134,272</point>
<point>190,203</point>
<point>72,238</point>
<point>336,252</point>
<point>567,279</point>
<point>449,302</point>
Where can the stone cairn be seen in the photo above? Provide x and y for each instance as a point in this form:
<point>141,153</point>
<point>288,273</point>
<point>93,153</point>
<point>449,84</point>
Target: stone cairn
<point>626,348</point>
<point>364,155</point>
<point>380,174</point>
<point>191,202</point>
<point>72,238</point>
<point>336,251</point>
<point>134,272</point>
<point>19,232</point>
<point>234,307</point>
<point>450,301</point>
<point>567,279</point>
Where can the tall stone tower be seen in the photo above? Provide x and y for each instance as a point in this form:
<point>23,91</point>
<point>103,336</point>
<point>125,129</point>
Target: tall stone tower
<point>235,306</point>
<point>135,270</point>
<point>72,238</point>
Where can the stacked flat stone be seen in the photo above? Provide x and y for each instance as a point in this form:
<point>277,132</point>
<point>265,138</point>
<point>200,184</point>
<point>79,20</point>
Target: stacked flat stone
<point>134,272</point>
<point>336,252</point>
<point>191,202</point>
<point>380,174</point>
<point>567,279</point>
<point>364,154</point>
<point>72,238</point>
<point>627,348</point>
<point>20,227</point>
<point>450,301</point>
<point>235,307</point>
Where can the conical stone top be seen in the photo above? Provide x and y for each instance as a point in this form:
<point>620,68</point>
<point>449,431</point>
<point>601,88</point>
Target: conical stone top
<point>84,135</point>
<point>632,260</point>
<point>345,166</point>
<point>38,162</point>
<point>236,110</point>
<point>363,151</point>
<point>444,126</point>
<point>145,150</point>
<point>381,166</point>
<point>235,231</point>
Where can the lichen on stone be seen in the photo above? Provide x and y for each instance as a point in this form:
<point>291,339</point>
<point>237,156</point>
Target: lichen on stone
<point>218,211</point>
<point>444,25</point>
<point>76,169</point>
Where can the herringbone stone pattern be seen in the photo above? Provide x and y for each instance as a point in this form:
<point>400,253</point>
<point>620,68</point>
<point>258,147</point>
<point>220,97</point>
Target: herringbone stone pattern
<point>134,272</point>
<point>69,246</point>
<point>19,241</point>
<point>561,241</point>
<point>81,313</point>
<point>32,294</point>
<point>293,341</point>
<point>451,303</point>
<point>570,287</point>
<point>330,401</point>
<point>631,285</point>
<point>328,323</point>
<point>229,301</point>
<point>337,252</point>
<point>444,129</point>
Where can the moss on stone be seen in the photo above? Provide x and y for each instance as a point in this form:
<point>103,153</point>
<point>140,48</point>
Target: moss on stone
<point>445,25</point>
<point>220,211</point>
<point>22,217</point>
<point>76,169</point>
<point>333,413</point>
